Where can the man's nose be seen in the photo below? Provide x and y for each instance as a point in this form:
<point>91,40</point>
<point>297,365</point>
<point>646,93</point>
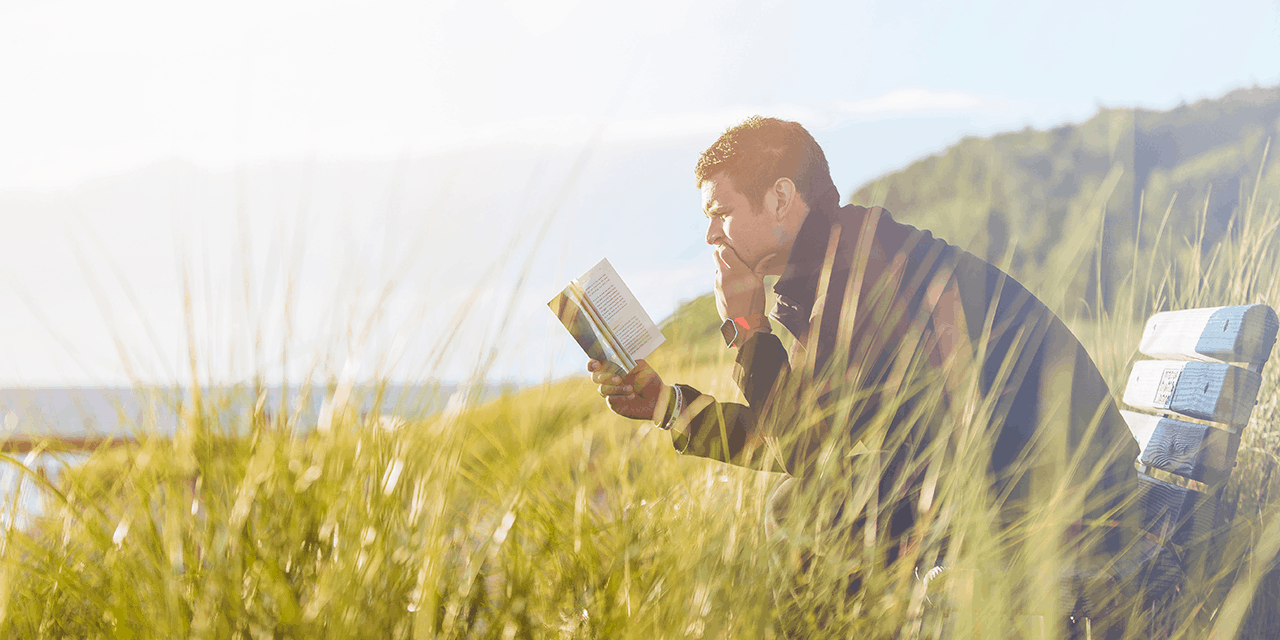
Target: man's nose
<point>714,231</point>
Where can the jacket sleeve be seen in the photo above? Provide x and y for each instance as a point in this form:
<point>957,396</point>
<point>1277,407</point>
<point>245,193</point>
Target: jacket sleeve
<point>728,431</point>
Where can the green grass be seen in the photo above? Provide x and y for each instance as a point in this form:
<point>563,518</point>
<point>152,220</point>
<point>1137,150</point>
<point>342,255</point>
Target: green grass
<point>542,515</point>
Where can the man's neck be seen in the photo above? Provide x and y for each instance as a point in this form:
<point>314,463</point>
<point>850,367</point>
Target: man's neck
<point>778,264</point>
<point>804,261</point>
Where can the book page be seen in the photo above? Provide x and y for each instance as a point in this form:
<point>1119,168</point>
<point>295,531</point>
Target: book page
<point>630,324</point>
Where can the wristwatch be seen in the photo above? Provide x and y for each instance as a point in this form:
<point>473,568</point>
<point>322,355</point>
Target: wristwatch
<point>735,330</point>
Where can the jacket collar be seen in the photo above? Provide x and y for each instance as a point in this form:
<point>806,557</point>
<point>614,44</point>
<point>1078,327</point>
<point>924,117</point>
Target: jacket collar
<point>798,285</point>
<point>799,280</point>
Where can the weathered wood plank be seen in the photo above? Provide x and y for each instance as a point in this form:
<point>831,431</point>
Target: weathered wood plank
<point>1183,521</point>
<point>1243,333</point>
<point>1226,499</point>
<point>1196,451</point>
<point>1181,516</point>
<point>1203,390</point>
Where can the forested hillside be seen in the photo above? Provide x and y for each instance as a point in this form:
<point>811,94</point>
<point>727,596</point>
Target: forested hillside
<point>1016,196</point>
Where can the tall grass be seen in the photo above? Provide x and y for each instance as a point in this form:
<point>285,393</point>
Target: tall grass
<point>542,515</point>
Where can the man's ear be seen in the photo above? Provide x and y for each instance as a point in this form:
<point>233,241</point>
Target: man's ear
<point>785,191</point>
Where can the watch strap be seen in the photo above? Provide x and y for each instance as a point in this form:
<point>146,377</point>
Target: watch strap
<point>753,321</point>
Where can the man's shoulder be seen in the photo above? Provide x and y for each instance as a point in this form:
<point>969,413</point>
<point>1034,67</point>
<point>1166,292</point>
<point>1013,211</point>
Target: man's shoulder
<point>891,237</point>
<point>893,232</point>
<point>856,218</point>
<point>978,281</point>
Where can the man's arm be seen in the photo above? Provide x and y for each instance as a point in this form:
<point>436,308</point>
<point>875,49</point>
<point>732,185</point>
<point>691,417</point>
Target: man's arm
<point>724,431</point>
<point>701,426</point>
<point>728,431</point>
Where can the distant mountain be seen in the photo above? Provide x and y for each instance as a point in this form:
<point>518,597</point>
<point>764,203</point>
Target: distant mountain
<point>1029,197</point>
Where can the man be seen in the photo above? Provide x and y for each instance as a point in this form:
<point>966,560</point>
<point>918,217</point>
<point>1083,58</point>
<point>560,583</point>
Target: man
<point>918,350</point>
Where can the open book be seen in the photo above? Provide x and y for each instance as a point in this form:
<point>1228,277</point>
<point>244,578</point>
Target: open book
<point>606,319</point>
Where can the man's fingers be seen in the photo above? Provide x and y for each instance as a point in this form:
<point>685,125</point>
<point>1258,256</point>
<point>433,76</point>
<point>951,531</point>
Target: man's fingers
<point>608,390</point>
<point>629,407</point>
<point>726,256</point>
<point>734,277</point>
<point>739,287</point>
<point>628,395</point>
<point>638,376</point>
<point>620,405</point>
<point>727,262</point>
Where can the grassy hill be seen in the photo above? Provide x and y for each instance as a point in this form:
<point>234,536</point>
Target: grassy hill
<point>1161,180</point>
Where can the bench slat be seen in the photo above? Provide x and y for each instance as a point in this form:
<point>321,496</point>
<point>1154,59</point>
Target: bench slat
<point>1181,516</point>
<point>1182,519</point>
<point>1203,390</point>
<point>1196,451</point>
<point>1243,333</point>
<point>1186,519</point>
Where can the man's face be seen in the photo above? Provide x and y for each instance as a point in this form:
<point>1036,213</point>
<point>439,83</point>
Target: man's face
<point>734,224</point>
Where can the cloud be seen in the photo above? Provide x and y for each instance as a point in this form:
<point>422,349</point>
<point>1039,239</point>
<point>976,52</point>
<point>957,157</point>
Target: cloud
<point>914,101</point>
<point>575,129</point>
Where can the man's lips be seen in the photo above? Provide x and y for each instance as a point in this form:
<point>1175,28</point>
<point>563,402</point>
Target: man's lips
<point>722,248</point>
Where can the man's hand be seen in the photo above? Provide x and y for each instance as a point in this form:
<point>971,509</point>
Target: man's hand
<point>739,289</point>
<point>634,396</point>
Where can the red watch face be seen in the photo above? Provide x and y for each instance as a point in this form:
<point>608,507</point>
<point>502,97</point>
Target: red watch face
<point>729,329</point>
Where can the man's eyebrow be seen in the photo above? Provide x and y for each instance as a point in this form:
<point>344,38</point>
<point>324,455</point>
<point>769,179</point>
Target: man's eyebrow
<point>715,210</point>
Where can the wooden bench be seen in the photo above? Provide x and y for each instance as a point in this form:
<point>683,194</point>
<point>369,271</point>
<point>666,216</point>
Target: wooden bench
<point>1193,402</point>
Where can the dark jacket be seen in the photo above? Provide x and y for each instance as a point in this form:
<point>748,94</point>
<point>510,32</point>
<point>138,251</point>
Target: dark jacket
<point>896,328</point>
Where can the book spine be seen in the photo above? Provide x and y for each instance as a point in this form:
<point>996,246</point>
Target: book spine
<point>602,328</point>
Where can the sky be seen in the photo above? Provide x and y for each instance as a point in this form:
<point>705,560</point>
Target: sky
<point>431,143</point>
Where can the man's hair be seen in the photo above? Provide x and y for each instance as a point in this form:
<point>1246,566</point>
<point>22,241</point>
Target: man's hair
<point>757,152</point>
